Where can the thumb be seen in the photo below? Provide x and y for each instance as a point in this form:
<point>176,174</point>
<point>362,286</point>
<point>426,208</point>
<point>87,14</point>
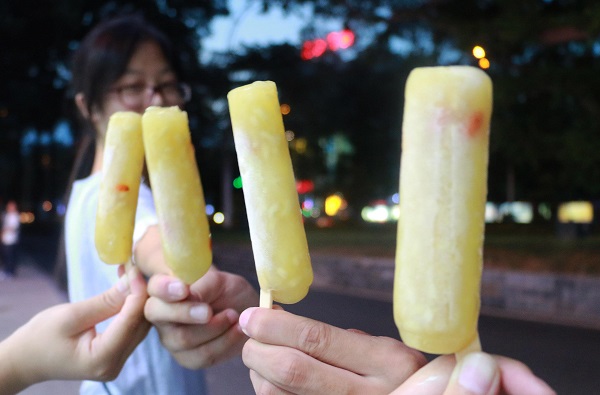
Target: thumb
<point>87,313</point>
<point>476,374</point>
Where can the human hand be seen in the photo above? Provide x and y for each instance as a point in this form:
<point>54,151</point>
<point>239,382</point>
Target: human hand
<point>476,374</point>
<point>61,342</point>
<point>289,354</point>
<point>198,323</point>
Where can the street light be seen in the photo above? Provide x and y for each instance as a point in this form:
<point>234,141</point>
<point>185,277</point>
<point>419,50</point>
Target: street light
<point>479,53</point>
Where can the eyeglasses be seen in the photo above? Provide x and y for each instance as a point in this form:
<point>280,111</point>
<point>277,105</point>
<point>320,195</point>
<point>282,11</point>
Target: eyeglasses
<point>138,95</point>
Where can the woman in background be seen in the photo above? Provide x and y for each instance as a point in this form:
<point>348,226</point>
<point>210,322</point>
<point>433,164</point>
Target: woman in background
<point>126,64</point>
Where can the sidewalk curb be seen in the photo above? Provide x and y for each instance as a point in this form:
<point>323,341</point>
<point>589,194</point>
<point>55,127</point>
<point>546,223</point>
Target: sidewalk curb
<point>541,297</point>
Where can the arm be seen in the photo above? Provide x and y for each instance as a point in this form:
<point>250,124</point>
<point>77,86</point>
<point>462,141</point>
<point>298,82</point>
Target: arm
<point>148,253</point>
<point>61,342</point>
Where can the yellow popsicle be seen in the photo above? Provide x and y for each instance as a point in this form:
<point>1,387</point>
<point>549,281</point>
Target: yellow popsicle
<point>276,229</point>
<point>443,188</point>
<point>121,176</point>
<point>177,192</point>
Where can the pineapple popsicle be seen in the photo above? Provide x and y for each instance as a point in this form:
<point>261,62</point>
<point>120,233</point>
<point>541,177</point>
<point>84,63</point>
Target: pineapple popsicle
<point>177,192</point>
<point>121,176</point>
<point>276,229</point>
<point>443,187</point>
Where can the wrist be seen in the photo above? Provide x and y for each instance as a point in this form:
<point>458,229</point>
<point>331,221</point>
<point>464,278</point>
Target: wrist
<point>14,374</point>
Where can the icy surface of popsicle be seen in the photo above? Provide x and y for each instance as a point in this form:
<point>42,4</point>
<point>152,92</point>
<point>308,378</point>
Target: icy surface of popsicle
<point>121,176</point>
<point>276,228</point>
<point>443,188</point>
<point>177,192</point>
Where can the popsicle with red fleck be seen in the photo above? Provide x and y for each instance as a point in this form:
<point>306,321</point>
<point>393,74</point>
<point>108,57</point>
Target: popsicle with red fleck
<point>277,232</point>
<point>443,188</point>
<point>121,176</point>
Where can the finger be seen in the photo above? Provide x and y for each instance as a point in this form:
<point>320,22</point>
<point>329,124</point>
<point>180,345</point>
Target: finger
<point>476,374</point>
<point>89,312</point>
<point>167,288</point>
<point>209,287</point>
<point>218,288</point>
<point>431,379</point>
<point>197,346</point>
<point>292,370</point>
<point>262,386</point>
<point>158,312</point>
<point>517,378</point>
<point>335,346</point>
<point>178,338</point>
<point>122,335</point>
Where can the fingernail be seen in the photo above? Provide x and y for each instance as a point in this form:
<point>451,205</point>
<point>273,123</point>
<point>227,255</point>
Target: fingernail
<point>199,313</point>
<point>477,373</point>
<point>176,289</point>
<point>244,318</point>
<point>123,284</point>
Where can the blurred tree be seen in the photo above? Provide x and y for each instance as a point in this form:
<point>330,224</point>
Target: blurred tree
<point>38,40</point>
<point>544,58</point>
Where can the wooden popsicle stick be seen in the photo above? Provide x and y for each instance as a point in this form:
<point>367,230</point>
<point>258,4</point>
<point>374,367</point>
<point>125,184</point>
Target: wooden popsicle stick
<point>266,299</point>
<point>474,346</point>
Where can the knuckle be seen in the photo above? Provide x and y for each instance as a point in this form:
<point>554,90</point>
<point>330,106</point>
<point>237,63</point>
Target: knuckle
<point>108,299</point>
<point>292,372</point>
<point>409,359</point>
<point>178,337</point>
<point>105,371</point>
<point>314,338</point>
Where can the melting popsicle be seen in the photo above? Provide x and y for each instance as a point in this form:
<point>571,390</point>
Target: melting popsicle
<point>443,187</point>
<point>121,176</point>
<point>177,192</point>
<point>276,228</point>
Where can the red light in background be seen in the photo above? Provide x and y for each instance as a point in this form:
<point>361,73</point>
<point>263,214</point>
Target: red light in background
<point>340,40</point>
<point>334,41</point>
<point>304,186</point>
<point>313,49</point>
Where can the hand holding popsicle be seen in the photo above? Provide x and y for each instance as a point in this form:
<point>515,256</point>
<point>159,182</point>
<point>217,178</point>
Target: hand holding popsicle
<point>198,323</point>
<point>276,229</point>
<point>61,342</point>
<point>284,358</point>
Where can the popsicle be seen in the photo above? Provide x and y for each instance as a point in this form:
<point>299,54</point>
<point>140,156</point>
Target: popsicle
<point>177,192</point>
<point>276,229</point>
<point>122,165</point>
<point>443,188</point>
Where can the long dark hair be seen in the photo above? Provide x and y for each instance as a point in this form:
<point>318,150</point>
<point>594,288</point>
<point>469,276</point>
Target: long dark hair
<point>100,60</point>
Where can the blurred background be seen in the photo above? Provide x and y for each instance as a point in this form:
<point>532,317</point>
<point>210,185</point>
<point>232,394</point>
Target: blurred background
<point>340,67</point>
